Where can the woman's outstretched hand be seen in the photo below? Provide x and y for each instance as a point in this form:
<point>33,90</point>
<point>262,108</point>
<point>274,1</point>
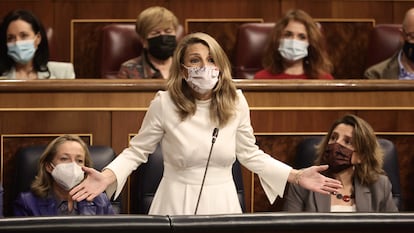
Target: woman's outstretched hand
<point>311,178</point>
<point>94,184</point>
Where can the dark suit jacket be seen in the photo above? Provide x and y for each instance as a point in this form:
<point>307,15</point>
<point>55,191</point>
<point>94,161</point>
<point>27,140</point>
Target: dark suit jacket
<point>374,198</point>
<point>387,69</point>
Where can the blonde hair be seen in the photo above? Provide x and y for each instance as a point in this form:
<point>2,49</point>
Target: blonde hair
<point>154,17</point>
<point>44,180</point>
<point>315,64</point>
<point>366,145</point>
<point>223,100</point>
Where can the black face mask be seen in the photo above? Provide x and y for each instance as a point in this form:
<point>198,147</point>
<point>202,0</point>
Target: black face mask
<point>337,157</point>
<point>408,50</point>
<point>162,47</point>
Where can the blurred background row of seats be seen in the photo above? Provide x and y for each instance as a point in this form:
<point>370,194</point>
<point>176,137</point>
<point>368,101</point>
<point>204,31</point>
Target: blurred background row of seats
<point>120,43</point>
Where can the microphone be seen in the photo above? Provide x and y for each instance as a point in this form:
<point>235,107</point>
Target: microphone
<point>213,140</point>
<point>215,133</point>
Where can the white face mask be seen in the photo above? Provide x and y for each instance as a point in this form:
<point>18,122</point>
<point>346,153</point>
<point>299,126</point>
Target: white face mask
<point>67,174</point>
<point>202,79</point>
<point>293,50</point>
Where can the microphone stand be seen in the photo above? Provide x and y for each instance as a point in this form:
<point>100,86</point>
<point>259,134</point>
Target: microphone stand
<point>215,133</point>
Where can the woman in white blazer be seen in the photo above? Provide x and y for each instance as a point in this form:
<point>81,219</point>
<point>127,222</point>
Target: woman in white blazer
<point>201,100</point>
<point>25,51</point>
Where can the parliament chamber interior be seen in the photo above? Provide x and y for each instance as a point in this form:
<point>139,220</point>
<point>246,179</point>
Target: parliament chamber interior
<point>106,111</point>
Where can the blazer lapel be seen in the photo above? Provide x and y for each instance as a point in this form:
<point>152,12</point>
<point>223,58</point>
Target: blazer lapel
<point>362,197</point>
<point>391,71</point>
<point>323,202</point>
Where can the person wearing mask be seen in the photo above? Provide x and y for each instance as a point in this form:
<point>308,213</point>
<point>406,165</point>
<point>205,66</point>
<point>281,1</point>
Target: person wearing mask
<point>201,100</point>
<point>157,29</point>
<point>24,50</point>
<point>401,64</point>
<point>355,158</point>
<point>295,50</point>
<point>59,171</point>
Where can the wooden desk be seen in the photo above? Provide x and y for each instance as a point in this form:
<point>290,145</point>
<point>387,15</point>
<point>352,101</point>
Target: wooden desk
<point>282,112</point>
<point>241,223</point>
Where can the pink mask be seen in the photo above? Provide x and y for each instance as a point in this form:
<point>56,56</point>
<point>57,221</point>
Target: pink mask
<point>202,79</point>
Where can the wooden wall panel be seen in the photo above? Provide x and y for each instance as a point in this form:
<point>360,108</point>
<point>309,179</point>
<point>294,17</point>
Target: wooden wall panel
<point>184,9</point>
<point>86,47</point>
<point>223,30</point>
<point>283,148</point>
<point>347,45</point>
<point>389,121</point>
<point>403,143</point>
<point>279,120</point>
<point>317,9</point>
<point>125,123</point>
<point>379,10</point>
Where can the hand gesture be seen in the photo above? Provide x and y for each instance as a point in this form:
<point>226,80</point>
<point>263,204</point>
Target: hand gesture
<point>311,178</point>
<point>93,185</point>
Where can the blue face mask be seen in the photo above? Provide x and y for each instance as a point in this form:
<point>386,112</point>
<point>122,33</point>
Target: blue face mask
<point>21,51</point>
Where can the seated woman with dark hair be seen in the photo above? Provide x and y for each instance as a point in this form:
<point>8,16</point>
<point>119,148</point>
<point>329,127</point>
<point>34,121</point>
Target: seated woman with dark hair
<point>24,50</point>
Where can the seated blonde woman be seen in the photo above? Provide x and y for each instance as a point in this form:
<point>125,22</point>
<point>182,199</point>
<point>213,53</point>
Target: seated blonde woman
<point>60,169</point>
<point>157,29</point>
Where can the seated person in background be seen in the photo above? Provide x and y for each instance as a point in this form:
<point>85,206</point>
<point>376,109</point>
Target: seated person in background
<point>355,158</point>
<point>59,171</point>
<point>295,50</point>
<point>24,52</point>
<point>156,27</point>
<point>401,64</point>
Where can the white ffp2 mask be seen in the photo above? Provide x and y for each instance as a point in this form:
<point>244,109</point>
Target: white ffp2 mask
<point>68,174</point>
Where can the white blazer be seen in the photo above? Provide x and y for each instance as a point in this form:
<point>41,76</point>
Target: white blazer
<point>58,70</point>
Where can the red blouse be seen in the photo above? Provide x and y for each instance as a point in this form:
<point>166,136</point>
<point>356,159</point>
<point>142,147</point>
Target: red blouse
<point>264,74</point>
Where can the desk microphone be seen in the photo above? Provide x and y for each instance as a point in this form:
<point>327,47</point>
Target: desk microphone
<point>213,140</point>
